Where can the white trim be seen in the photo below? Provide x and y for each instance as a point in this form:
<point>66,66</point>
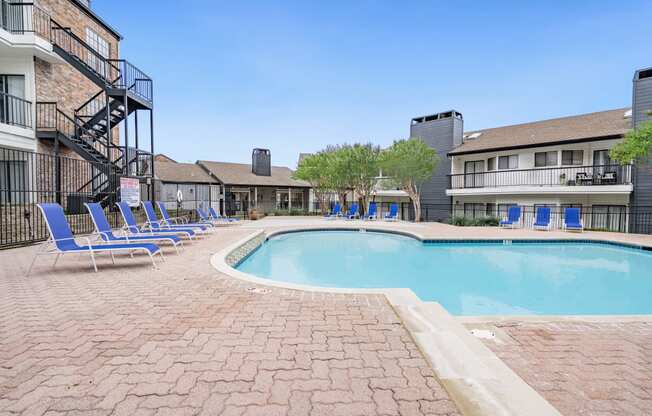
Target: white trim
<point>538,190</point>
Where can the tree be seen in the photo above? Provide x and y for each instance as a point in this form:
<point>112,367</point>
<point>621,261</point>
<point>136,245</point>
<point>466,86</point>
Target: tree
<point>338,169</point>
<point>362,162</point>
<point>636,146</point>
<point>314,170</point>
<point>410,163</point>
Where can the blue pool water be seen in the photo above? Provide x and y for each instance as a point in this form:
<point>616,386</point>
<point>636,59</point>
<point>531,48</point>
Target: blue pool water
<point>467,278</point>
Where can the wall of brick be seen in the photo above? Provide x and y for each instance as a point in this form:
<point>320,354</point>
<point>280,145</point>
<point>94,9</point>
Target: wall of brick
<point>61,82</point>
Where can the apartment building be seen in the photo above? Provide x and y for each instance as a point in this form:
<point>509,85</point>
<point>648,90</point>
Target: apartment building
<point>559,163</point>
<point>66,93</point>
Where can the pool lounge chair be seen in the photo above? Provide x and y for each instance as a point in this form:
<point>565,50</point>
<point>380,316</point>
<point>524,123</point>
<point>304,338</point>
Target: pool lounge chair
<point>335,213</point>
<point>573,220</point>
<point>513,219</point>
<point>157,226</point>
<point>204,218</point>
<point>542,219</point>
<point>62,240</point>
<point>352,213</point>
<point>392,215</point>
<point>216,216</point>
<point>131,225</point>
<point>371,214</point>
<point>169,220</point>
<point>103,229</point>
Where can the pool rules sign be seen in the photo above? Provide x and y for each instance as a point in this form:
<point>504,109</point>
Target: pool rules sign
<point>130,191</point>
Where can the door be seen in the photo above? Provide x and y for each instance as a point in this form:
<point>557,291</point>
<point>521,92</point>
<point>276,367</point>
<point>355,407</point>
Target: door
<point>602,163</point>
<point>473,174</point>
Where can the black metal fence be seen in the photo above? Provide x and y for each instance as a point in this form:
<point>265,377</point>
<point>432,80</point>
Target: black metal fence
<point>24,17</point>
<point>15,111</point>
<point>28,178</point>
<point>618,218</point>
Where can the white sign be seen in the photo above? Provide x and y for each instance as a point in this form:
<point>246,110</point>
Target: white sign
<point>130,191</point>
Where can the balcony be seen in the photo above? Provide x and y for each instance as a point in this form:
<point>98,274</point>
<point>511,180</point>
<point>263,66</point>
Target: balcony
<point>15,111</point>
<point>25,31</point>
<point>609,179</point>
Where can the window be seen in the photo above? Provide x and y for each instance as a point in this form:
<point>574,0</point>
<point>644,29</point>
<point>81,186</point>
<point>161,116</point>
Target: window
<point>101,46</point>
<point>542,159</point>
<point>13,181</point>
<point>473,173</point>
<point>491,164</point>
<point>474,210</point>
<point>572,157</point>
<point>508,162</point>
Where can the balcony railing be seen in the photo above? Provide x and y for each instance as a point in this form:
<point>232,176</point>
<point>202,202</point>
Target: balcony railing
<point>15,111</point>
<point>559,176</point>
<point>21,18</point>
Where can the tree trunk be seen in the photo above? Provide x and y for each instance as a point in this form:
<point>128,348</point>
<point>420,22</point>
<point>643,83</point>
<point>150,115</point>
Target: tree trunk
<point>417,209</point>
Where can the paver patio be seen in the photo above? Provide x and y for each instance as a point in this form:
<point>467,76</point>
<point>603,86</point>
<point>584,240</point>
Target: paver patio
<point>185,339</point>
<point>182,340</point>
<point>581,368</point>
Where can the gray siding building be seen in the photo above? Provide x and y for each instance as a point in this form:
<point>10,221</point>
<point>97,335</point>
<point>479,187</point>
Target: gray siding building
<point>443,132</point>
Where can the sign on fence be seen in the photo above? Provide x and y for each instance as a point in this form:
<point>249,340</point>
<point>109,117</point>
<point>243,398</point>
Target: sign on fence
<point>130,191</point>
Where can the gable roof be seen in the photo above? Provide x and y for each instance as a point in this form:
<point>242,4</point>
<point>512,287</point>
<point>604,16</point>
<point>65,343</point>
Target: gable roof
<point>182,173</point>
<point>240,174</point>
<point>603,125</point>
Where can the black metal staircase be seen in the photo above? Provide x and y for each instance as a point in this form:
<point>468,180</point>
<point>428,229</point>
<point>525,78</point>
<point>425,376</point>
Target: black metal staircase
<point>124,89</point>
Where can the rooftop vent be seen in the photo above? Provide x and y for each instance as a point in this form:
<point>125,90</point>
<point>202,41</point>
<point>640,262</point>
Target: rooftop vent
<point>644,73</point>
<point>438,116</point>
<point>471,136</point>
<point>628,114</point>
<point>261,162</point>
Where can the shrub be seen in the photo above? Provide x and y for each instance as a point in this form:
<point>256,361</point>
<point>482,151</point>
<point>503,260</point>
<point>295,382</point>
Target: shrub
<point>475,222</point>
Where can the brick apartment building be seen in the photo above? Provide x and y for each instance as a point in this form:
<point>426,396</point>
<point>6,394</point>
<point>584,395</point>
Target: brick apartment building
<point>65,91</point>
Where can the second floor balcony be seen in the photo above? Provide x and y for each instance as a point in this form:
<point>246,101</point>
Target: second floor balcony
<point>15,111</point>
<point>568,179</point>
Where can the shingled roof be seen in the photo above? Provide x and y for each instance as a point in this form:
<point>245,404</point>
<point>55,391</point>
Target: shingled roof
<point>182,173</point>
<point>603,124</point>
<point>240,174</point>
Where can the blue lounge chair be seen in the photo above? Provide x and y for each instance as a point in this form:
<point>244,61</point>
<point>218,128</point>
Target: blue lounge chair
<point>157,226</point>
<point>513,218</point>
<point>173,221</point>
<point>335,213</point>
<point>216,216</point>
<point>103,228</point>
<point>573,220</point>
<point>131,225</point>
<point>204,218</point>
<point>352,213</point>
<point>542,219</point>
<point>62,240</point>
<point>371,212</point>
<point>392,215</point>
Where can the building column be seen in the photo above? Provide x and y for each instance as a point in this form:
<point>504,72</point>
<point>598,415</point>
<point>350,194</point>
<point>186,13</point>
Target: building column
<point>256,197</point>
<point>289,199</point>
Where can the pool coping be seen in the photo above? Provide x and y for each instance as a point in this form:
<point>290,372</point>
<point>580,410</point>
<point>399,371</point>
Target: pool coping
<point>477,380</point>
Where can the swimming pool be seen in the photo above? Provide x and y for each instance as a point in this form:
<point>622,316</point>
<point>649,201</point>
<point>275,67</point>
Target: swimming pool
<point>467,278</point>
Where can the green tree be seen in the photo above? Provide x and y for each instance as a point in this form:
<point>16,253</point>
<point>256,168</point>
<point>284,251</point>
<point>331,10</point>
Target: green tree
<point>362,164</point>
<point>636,146</point>
<point>410,163</point>
<point>314,170</point>
<point>338,169</point>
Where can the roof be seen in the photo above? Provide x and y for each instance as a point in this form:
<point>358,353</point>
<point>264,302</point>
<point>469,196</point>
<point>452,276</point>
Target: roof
<point>182,173</point>
<point>97,18</point>
<point>160,157</point>
<point>603,124</point>
<point>240,174</point>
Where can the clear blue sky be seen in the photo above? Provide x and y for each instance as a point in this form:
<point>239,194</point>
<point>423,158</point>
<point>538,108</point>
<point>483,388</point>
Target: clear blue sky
<point>296,76</point>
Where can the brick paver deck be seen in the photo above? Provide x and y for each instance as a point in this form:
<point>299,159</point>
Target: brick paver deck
<point>582,368</point>
<point>184,340</point>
